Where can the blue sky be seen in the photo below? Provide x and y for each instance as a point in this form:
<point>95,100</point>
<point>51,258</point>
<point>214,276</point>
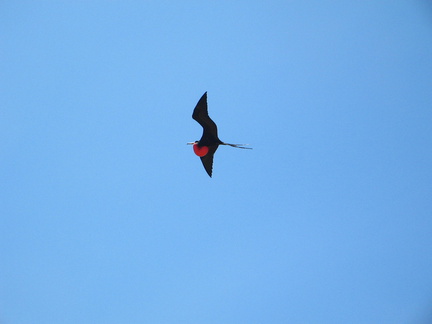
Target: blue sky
<point>107,216</point>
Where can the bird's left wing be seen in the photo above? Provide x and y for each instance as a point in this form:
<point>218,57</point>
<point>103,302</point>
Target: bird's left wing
<point>200,114</point>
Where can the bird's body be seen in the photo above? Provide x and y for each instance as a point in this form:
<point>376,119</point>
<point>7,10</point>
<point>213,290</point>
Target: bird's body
<point>206,147</point>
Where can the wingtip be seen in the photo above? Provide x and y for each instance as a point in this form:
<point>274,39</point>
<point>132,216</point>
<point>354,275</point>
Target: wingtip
<point>204,97</point>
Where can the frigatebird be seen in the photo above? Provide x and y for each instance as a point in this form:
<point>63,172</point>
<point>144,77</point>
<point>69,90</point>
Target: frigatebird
<point>206,147</point>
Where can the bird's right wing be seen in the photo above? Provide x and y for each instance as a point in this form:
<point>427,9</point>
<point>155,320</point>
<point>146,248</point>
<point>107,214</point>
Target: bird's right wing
<point>200,114</point>
<point>207,160</point>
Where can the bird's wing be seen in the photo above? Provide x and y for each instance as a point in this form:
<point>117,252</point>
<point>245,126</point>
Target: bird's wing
<point>200,114</point>
<point>207,160</point>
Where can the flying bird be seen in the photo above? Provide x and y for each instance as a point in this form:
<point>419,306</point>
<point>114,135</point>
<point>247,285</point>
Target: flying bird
<point>206,147</point>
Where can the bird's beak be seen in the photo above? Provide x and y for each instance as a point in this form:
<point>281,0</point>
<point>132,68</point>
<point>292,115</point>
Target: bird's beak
<point>190,143</point>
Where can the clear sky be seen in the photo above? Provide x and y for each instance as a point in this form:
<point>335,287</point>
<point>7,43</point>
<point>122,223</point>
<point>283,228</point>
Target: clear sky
<point>107,216</point>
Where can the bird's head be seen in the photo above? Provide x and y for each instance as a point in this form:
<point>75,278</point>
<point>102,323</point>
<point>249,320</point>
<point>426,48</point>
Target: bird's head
<point>199,150</point>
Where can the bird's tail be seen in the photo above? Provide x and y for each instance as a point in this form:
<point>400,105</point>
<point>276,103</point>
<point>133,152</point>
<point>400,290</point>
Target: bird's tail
<point>241,146</point>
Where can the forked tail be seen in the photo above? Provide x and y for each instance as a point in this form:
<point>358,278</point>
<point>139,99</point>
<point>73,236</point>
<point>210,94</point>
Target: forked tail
<point>240,146</point>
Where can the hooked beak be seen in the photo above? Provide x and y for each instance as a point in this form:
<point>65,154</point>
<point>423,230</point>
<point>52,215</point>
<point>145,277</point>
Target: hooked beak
<point>190,143</point>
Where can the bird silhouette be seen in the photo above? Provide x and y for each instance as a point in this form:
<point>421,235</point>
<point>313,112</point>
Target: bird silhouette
<point>206,147</point>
